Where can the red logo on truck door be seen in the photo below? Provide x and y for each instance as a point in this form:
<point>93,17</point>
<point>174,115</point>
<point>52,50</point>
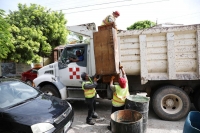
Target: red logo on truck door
<point>74,73</point>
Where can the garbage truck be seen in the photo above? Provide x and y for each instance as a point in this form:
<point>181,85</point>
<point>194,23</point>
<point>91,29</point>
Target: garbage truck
<point>164,62</point>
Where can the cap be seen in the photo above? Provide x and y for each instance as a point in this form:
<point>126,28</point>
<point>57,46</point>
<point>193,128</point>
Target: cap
<point>83,75</point>
<point>117,13</point>
<point>122,82</point>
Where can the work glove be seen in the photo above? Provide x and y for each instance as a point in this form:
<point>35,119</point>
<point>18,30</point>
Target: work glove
<point>95,79</point>
<point>112,77</point>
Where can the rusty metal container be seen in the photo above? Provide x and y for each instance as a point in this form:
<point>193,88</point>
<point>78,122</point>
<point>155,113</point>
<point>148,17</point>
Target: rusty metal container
<point>140,104</point>
<point>106,51</point>
<point>126,121</point>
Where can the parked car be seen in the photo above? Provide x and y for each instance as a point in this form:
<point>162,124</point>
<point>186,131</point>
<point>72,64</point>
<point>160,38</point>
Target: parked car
<point>24,109</point>
<point>30,75</point>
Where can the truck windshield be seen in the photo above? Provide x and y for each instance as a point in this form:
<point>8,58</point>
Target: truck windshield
<point>70,53</point>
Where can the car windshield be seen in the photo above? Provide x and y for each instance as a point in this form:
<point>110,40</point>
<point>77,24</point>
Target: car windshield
<point>15,92</point>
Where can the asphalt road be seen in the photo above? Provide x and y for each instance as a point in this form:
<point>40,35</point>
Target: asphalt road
<point>155,124</point>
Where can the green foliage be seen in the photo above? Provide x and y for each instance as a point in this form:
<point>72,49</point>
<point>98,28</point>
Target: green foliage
<point>6,39</point>
<point>76,38</point>
<point>141,25</point>
<point>36,31</point>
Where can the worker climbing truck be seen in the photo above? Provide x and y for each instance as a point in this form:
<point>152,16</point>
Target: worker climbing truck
<point>164,62</point>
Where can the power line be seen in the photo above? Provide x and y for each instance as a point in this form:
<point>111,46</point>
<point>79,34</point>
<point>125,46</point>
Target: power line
<point>68,4</point>
<point>116,6</point>
<point>60,1</point>
<point>93,5</point>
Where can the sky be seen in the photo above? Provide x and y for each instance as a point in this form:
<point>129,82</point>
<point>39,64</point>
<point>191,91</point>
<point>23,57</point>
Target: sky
<point>94,11</point>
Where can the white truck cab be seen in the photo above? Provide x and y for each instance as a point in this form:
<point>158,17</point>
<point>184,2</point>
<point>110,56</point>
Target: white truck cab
<point>63,78</point>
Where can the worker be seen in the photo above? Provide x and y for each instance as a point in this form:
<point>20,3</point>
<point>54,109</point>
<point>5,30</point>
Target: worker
<point>80,57</point>
<point>90,96</point>
<point>120,92</point>
<point>111,19</point>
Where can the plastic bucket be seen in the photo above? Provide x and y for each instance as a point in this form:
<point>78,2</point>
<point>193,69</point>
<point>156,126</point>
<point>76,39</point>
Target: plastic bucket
<point>192,122</point>
<point>140,104</point>
<point>126,121</point>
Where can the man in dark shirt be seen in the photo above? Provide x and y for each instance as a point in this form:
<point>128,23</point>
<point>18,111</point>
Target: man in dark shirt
<point>90,96</point>
<point>80,57</point>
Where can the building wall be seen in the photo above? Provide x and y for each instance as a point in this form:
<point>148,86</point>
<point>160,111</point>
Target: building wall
<point>11,69</point>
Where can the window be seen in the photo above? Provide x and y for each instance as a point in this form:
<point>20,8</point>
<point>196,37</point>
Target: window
<point>72,53</point>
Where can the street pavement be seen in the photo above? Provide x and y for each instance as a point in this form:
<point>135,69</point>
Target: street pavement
<point>103,108</point>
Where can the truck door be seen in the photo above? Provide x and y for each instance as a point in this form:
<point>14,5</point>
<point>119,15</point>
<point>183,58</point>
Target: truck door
<point>69,68</point>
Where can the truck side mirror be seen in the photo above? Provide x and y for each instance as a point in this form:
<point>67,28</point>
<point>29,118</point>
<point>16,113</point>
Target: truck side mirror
<point>67,61</point>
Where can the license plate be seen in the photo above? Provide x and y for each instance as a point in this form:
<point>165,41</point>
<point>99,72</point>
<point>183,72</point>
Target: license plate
<point>67,126</point>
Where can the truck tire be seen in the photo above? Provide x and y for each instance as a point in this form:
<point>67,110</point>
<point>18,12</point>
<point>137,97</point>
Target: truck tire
<point>171,103</point>
<point>51,90</point>
<point>197,100</point>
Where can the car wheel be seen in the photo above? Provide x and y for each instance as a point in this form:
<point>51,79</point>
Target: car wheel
<point>170,103</point>
<point>29,82</point>
<point>51,90</point>
<point>197,99</point>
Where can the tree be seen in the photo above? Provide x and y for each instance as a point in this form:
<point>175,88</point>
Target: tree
<point>76,38</point>
<point>6,39</point>
<point>36,31</point>
<point>141,25</point>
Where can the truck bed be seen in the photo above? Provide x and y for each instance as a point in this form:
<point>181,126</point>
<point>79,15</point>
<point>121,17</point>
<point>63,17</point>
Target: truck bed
<point>165,53</point>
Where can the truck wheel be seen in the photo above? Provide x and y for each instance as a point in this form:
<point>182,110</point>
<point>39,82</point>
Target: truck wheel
<point>170,103</point>
<point>197,100</point>
<point>51,90</point>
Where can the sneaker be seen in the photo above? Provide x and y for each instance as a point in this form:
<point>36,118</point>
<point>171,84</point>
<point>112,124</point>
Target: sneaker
<point>109,128</point>
<point>95,115</point>
<point>90,122</point>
